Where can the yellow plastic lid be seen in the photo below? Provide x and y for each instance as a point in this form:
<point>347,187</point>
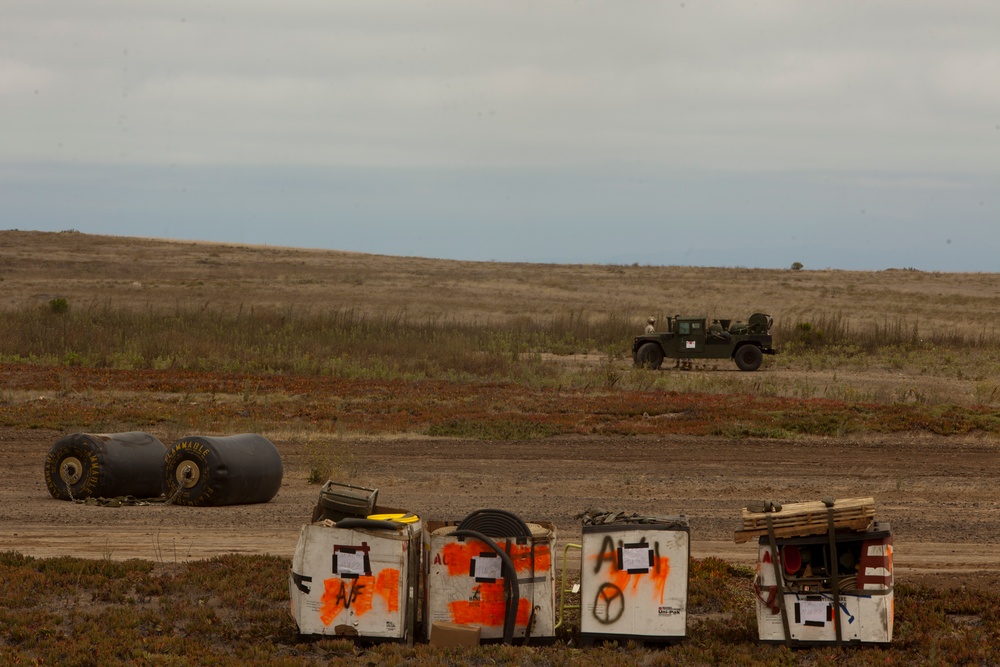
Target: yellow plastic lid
<point>398,518</point>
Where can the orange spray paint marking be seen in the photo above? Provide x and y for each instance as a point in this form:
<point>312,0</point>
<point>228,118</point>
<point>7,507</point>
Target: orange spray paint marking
<point>341,594</point>
<point>458,556</point>
<point>387,587</point>
<point>520,554</point>
<point>659,574</point>
<point>488,609</point>
<point>333,600</point>
<point>363,590</point>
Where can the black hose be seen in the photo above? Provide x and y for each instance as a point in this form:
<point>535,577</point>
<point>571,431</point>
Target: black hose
<point>373,524</point>
<point>495,523</point>
<point>513,597</point>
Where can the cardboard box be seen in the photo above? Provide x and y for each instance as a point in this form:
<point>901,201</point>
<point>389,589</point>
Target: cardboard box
<point>444,633</point>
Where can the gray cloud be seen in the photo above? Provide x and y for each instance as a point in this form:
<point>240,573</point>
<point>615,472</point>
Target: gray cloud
<point>873,93</point>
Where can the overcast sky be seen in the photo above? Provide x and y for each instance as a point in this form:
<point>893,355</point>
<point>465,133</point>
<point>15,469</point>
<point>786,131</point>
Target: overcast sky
<point>840,134</point>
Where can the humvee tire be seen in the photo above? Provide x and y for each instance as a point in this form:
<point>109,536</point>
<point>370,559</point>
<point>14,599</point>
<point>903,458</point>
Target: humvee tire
<point>748,358</point>
<point>649,356</point>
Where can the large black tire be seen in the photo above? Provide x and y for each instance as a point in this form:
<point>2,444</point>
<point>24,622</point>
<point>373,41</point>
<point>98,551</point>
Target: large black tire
<point>649,356</point>
<point>748,358</point>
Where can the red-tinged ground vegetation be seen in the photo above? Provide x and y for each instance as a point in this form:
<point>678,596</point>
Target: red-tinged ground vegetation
<point>70,398</point>
<point>232,610</point>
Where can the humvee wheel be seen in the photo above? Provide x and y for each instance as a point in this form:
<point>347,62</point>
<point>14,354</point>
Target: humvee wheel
<point>649,356</point>
<point>748,358</point>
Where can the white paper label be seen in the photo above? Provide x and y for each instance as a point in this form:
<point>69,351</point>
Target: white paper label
<point>635,559</point>
<point>488,568</point>
<point>813,611</point>
<point>348,563</point>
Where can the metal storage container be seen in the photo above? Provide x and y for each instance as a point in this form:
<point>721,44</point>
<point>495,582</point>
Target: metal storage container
<point>358,577</point>
<point>338,501</point>
<point>634,580</point>
<point>810,588</point>
<point>466,580</point>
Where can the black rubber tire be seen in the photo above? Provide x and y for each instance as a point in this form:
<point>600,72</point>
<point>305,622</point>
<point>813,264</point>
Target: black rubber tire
<point>649,356</point>
<point>72,467</point>
<point>748,358</point>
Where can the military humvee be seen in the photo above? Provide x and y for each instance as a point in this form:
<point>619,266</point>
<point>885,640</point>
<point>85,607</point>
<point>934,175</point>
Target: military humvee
<point>689,338</point>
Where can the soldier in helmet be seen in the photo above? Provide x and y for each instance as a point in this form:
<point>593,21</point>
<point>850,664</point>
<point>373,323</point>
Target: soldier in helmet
<point>716,331</point>
<point>650,328</point>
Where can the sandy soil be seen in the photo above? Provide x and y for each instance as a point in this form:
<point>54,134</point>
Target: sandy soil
<point>937,493</point>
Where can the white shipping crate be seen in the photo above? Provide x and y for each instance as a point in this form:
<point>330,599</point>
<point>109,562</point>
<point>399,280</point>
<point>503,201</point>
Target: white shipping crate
<point>864,580</point>
<point>464,583</point>
<point>358,582</point>
<point>634,580</point>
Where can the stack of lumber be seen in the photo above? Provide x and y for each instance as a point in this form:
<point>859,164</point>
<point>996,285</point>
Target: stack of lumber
<point>808,518</point>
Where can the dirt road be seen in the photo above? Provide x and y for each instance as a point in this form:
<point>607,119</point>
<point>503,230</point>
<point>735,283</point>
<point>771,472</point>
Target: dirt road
<point>939,494</point>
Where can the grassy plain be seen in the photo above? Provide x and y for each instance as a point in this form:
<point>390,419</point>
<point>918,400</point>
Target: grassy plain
<point>894,336</point>
<point>136,333</point>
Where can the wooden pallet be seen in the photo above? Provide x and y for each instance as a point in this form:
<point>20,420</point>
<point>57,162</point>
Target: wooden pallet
<point>808,518</point>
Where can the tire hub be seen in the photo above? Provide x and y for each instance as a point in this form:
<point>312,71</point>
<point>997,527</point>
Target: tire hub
<point>187,473</point>
<point>70,470</point>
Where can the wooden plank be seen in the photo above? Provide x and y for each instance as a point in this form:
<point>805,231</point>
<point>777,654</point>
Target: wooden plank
<point>805,519</point>
<point>741,536</point>
<point>781,517</point>
<point>812,511</point>
<point>808,518</point>
<point>813,506</point>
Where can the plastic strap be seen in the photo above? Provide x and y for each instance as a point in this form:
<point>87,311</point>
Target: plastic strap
<point>777,576</point>
<point>834,573</point>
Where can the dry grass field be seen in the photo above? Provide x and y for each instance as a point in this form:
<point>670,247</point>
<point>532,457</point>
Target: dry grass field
<point>453,386</point>
<point>897,335</point>
<point>164,275</point>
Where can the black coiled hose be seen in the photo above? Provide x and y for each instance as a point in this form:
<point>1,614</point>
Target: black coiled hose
<point>495,523</point>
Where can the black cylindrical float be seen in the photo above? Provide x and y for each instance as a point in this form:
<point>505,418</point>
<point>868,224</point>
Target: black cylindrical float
<point>232,470</point>
<point>85,465</point>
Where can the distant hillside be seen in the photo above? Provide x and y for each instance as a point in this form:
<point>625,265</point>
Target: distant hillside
<point>36,267</point>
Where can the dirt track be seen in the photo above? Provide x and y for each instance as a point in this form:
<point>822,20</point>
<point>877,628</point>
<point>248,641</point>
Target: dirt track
<point>938,493</point>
